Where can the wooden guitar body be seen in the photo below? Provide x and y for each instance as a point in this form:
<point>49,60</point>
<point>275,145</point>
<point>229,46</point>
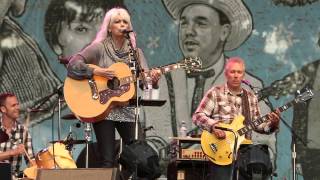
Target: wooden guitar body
<point>93,102</point>
<point>92,99</point>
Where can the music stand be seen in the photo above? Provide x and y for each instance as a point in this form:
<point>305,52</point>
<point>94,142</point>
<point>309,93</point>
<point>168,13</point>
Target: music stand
<point>147,102</point>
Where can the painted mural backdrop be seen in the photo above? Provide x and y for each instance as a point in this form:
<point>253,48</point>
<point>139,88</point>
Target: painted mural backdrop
<point>279,40</point>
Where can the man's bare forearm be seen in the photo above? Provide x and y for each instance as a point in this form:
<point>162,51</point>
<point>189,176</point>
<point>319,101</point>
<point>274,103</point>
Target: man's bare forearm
<point>6,155</point>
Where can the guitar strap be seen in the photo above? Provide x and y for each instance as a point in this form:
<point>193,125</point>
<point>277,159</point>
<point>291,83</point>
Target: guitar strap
<point>246,111</point>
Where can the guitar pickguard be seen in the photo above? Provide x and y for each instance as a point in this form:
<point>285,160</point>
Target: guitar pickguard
<point>107,94</point>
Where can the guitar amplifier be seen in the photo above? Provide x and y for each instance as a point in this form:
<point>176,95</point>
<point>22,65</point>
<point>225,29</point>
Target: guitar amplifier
<point>186,148</point>
<point>192,154</point>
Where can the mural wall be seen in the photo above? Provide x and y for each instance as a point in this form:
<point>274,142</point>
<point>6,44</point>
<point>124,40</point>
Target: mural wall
<point>279,41</point>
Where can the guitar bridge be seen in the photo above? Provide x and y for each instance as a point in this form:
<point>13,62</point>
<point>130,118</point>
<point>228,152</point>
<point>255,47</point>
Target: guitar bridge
<point>213,147</point>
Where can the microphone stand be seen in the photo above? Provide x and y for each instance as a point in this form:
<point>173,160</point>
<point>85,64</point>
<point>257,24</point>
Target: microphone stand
<point>59,116</point>
<point>59,92</point>
<point>135,69</point>
<point>293,134</point>
<point>234,157</point>
<point>87,134</point>
<point>293,145</point>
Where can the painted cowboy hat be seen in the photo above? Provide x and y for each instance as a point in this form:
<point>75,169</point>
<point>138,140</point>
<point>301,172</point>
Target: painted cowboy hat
<point>235,10</point>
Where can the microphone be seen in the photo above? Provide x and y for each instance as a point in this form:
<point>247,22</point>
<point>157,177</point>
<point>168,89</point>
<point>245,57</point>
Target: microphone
<point>223,128</point>
<point>125,31</point>
<point>68,140</point>
<point>148,128</point>
<point>59,89</point>
<point>69,136</point>
<point>246,82</point>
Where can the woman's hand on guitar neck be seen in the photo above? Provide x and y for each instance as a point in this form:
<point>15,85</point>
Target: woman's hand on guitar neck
<point>103,72</point>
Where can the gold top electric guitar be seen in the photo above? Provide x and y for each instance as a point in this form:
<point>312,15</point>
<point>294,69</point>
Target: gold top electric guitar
<point>92,99</point>
<point>220,151</point>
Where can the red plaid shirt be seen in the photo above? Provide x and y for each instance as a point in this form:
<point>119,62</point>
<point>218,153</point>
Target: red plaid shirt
<point>220,104</point>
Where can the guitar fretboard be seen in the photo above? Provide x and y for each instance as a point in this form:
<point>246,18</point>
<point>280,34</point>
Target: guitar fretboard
<point>162,70</point>
<point>255,123</point>
<point>127,80</point>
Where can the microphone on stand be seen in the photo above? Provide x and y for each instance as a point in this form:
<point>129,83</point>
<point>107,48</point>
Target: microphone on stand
<point>148,128</point>
<point>125,31</point>
<point>261,94</point>
<point>68,140</point>
<point>246,82</point>
<point>58,88</point>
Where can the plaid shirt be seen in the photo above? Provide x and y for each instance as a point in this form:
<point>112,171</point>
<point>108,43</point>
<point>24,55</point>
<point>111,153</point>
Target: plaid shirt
<point>15,138</point>
<point>220,104</point>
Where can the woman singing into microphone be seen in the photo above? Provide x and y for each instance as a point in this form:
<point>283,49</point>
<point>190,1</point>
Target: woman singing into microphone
<point>110,46</point>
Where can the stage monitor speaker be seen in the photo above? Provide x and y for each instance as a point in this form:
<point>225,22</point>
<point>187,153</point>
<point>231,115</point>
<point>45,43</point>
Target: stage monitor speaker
<point>78,174</point>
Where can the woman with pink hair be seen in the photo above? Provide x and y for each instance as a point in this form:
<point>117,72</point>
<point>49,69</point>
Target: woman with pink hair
<point>110,46</point>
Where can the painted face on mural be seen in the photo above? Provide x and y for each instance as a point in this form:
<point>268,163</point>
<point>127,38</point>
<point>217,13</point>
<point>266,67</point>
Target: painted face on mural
<point>79,32</point>
<point>200,33</point>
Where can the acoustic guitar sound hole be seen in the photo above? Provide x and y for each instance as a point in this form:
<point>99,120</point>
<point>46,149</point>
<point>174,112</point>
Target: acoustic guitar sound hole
<point>113,84</point>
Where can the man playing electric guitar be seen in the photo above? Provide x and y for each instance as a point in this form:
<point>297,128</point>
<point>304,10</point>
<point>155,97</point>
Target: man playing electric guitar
<point>221,105</point>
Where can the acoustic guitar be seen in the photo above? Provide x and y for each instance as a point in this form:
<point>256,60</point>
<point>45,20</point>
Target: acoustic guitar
<point>92,99</point>
<point>220,151</point>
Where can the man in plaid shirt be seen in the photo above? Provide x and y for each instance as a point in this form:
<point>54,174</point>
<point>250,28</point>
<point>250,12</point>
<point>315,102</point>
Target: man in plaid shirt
<point>14,148</point>
<point>223,103</point>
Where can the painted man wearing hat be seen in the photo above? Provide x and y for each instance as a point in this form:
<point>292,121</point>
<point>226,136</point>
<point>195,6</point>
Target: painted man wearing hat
<point>207,28</point>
